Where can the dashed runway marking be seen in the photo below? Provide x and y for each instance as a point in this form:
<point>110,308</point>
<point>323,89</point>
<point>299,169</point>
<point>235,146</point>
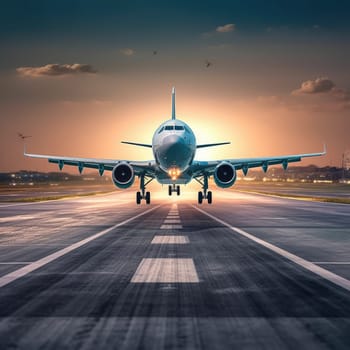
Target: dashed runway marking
<point>172,221</point>
<point>170,240</point>
<point>171,227</point>
<point>166,271</point>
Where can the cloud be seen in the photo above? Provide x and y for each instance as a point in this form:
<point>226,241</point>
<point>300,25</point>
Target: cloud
<point>317,86</point>
<point>55,70</point>
<point>332,96</point>
<point>226,28</point>
<point>127,51</point>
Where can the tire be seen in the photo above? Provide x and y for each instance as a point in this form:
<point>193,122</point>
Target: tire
<point>200,197</point>
<point>209,197</point>
<point>178,190</point>
<point>138,197</point>
<point>170,190</point>
<point>148,197</point>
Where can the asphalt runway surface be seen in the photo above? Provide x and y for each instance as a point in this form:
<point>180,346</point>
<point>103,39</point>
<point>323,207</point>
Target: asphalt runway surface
<point>248,271</point>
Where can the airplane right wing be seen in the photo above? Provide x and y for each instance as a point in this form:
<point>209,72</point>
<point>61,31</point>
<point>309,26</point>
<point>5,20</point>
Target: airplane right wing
<point>198,168</point>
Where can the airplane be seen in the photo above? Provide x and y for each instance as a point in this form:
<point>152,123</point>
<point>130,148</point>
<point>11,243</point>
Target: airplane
<point>174,148</point>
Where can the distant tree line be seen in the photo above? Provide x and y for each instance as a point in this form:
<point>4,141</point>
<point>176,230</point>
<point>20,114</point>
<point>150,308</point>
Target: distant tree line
<point>25,177</point>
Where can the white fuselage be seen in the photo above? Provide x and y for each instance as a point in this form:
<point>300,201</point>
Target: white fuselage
<point>174,147</point>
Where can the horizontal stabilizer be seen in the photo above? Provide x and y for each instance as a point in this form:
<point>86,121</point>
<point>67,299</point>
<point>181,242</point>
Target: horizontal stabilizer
<point>137,144</point>
<point>213,144</point>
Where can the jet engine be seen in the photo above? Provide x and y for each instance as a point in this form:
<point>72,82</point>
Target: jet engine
<point>225,175</point>
<point>123,175</point>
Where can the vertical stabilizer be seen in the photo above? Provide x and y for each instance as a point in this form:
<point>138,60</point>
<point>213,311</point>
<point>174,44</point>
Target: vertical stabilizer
<point>173,115</point>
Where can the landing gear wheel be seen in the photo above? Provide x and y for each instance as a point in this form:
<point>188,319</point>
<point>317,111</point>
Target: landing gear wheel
<point>148,197</point>
<point>178,190</point>
<point>170,190</point>
<point>138,197</point>
<point>200,197</point>
<point>209,197</point>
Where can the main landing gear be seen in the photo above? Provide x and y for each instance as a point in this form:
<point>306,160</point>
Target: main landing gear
<point>174,188</point>
<point>205,194</point>
<point>142,194</point>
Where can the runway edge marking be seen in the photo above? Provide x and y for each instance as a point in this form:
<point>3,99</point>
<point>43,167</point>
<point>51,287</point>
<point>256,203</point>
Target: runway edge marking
<point>308,265</point>
<point>14,275</point>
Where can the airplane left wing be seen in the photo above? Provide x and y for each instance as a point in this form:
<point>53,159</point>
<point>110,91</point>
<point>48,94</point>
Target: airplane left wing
<point>198,168</point>
<point>140,167</point>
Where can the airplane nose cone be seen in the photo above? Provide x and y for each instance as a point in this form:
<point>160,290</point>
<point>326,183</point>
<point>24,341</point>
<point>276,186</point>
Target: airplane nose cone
<point>173,140</point>
<point>174,152</point>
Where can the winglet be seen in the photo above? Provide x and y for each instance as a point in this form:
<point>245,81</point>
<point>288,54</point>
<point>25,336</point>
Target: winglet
<point>324,148</point>
<point>173,116</point>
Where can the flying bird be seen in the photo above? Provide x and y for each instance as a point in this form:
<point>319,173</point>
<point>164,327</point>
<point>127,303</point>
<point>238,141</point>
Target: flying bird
<point>208,64</point>
<point>23,137</point>
<point>155,52</point>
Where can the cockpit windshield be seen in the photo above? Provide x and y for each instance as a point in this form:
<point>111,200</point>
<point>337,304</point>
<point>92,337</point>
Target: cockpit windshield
<point>171,127</point>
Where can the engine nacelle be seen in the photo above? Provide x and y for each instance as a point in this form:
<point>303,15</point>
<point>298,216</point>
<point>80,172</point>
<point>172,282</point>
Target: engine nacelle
<point>123,175</point>
<point>225,175</point>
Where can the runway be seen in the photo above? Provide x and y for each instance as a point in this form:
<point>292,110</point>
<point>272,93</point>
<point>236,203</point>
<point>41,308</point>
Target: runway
<point>249,271</point>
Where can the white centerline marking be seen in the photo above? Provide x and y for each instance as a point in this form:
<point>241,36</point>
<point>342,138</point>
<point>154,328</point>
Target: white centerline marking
<point>12,276</point>
<point>166,270</point>
<point>170,240</point>
<point>171,227</point>
<point>172,221</point>
<point>308,265</point>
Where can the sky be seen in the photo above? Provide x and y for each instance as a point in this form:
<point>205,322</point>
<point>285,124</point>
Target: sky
<point>272,77</point>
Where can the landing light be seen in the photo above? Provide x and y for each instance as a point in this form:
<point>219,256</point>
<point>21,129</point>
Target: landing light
<point>174,173</point>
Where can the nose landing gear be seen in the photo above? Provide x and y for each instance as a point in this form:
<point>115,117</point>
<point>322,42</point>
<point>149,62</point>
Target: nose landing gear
<point>174,188</point>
